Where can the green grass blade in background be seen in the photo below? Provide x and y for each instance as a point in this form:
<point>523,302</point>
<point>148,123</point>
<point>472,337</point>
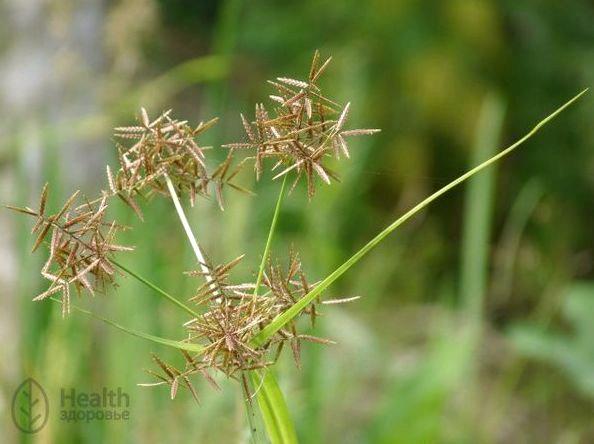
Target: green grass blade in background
<point>415,401</point>
<point>224,42</point>
<point>522,209</point>
<point>295,309</point>
<point>154,93</point>
<point>275,413</point>
<point>478,209</point>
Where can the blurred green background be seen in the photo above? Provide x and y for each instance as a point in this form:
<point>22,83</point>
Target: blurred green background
<point>476,319</point>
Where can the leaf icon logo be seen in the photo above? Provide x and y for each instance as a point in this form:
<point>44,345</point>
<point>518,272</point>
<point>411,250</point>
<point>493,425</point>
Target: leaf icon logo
<point>30,407</point>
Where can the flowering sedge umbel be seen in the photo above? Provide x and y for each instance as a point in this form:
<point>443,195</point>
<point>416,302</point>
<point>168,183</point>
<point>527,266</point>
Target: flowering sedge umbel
<point>167,147</point>
<point>233,314</point>
<point>163,156</point>
<point>81,244</point>
<point>302,130</point>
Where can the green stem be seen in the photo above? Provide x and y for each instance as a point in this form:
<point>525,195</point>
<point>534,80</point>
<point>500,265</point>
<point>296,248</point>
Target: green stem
<point>127,270</point>
<point>270,235</point>
<point>169,342</point>
<point>251,416</point>
<point>275,413</point>
<point>155,288</point>
<point>267,332</point>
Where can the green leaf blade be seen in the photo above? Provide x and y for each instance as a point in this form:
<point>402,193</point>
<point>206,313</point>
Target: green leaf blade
<point>267,332</point>
<point>275,412</point>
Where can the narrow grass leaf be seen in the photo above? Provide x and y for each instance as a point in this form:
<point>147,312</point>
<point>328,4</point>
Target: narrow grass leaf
<point>267,332</point>
<point>275,413</point>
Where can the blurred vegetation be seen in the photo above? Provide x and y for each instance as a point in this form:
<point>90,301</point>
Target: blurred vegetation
<point>475,318</point>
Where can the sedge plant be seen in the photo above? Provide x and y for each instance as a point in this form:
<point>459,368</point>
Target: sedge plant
<point>237,329</point>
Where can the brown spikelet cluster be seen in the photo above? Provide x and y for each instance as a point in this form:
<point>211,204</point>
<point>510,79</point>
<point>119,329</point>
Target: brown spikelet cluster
<point>81,241</point>
<point>234,314</point>
<point>303,129</point>
<point>80,246</point>
<point>166,147</point>
<point>300,132</point>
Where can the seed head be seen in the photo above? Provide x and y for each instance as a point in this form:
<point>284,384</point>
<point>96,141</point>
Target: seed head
<point>81,244</point>
<point>304,129</point>
<point>166,147</point>
<point>233,314</point>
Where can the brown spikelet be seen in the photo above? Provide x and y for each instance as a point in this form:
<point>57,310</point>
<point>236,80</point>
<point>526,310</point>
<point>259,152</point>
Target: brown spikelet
<point>80,246</point>
<point>232,315</point>
<point>43,199</point>
<point>26,210</point>
<point>132,204</point>
<point>164,147</point>
<point>41,237</point>
<point>301,133</point>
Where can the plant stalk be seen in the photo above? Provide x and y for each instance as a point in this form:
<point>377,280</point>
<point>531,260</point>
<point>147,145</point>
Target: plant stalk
<point>180,345</point>
<point>155,288</point>
<point>184,221</point>
<point>130,272</point>
<point>269,240</point>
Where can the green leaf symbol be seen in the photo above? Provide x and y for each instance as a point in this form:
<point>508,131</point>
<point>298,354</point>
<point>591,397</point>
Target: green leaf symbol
<point>30,407</point>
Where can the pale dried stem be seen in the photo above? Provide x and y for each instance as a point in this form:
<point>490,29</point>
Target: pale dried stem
<point>184,221</point>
